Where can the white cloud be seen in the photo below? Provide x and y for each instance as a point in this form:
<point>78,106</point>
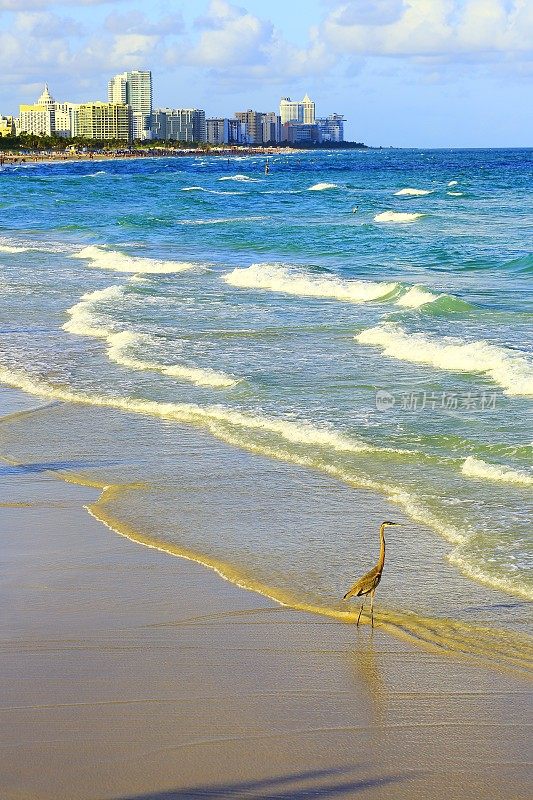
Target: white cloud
<point>432,27</point>
<point>28,5</point>
<point>136,22</point>
<point>238,45</point>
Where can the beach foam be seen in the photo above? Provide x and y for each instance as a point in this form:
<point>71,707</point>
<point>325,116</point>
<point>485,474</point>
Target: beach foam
<point>86,320</point>
<point>511,371</point>
<point>291,280</point>
<point>397,216</point>
<point>119,350</point>
<point>414,192</point>
<point>320,187</point>
<point>215,418</point>
<point>103,258</point>
<point>9,248</point>
<point>500,473</point>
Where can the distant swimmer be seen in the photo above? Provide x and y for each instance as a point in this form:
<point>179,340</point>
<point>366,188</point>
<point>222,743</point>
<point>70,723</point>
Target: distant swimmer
<point>355,209</point>
<point>267,167</point>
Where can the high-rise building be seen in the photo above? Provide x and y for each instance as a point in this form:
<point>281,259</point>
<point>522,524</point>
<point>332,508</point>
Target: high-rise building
<point>308,111</point>
<point>271,127</point>
<point>290,110</point>
<point>300,111</point>
<point>66,119</point>
<point>331,128</point>
<point>179,124</point>
<point>237,132</point>
<point>254,124</point>
<point>134,89</point>
<point>217,130</point>
<point>7,126</point>
<point>38,118</point>
<point>99,120</point>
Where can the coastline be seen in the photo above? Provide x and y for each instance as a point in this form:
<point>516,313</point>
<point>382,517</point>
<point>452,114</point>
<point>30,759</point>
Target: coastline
<point>130,673</point>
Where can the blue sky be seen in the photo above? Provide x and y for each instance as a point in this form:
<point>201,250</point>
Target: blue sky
<point>428,73</point>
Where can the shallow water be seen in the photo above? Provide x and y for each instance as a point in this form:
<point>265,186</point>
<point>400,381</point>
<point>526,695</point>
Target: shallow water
<point>384,348</point>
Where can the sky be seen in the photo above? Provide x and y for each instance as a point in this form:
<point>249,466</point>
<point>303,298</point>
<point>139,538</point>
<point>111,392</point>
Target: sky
<point>407,73</point>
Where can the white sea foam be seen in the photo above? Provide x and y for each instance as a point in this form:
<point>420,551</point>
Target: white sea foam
<point>455,194</point>
<point>500,473</point>
<point>212,417</point>
<point>397,216</point>
<point>86,319</point>
<point>121,345</point>
<point>453,183</point>
<point>10,248</point>
<point>241,178</point>
<point>290,280</point>
<point>414,192</point>
<point>417,296</point>
<point>511,371</point>
<point>320,187</point>
<point>103,258</point>
<point>219,220</point>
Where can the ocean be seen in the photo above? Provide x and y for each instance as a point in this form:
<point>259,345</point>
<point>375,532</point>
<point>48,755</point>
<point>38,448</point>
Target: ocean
<point>259,369</point>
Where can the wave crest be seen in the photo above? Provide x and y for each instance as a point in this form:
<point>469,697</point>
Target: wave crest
<point>413,192</point>
<point>102,258</point>
<point>397,216</point>
<point>85,320</point>
<point>501,473</point>
<point>513,372</point>
<point>320,187</point>
<point>290,280</point>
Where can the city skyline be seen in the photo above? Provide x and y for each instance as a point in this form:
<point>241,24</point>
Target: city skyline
<point>129,114</point>
<point>403,72</point>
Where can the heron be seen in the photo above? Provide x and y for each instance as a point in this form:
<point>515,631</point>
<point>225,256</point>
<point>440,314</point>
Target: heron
<point>368,584</point>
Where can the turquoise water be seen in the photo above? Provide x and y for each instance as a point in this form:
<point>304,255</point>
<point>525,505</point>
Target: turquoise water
<point>352,332</point>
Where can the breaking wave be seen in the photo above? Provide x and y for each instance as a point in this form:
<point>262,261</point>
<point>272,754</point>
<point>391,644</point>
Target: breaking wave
<point>511,371</point>
<point>397,216</point>
<point>501,473</point>
<point>295,281</point>
<point>414,192</point>
<point>241,178</point>
<point>290,280</point>
<point>453,183</point>
<point>455,194</point>
<point>103,258</point>
<point>320,187</point>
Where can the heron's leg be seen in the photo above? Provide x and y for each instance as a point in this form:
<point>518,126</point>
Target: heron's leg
<point>372,607</point>
<point>360,611</point>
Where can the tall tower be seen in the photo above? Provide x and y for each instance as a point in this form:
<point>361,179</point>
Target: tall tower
<point>308,108</point>
<point>135,89</point>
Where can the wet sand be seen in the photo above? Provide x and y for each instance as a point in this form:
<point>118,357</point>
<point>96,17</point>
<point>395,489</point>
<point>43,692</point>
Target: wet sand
<point>129,673</point>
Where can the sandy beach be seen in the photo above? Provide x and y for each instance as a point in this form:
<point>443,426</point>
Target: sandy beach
<point>129,673</point>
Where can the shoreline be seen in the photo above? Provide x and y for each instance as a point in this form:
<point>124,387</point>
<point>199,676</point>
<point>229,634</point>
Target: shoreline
<point>59,157</point>
<point>130,673</point>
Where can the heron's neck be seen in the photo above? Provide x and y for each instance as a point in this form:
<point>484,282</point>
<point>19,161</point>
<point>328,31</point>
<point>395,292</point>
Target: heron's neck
<point>381,559</point>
